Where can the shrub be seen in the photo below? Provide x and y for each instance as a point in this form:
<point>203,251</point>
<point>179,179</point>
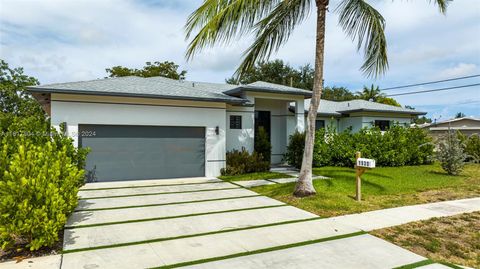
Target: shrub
<point>396,147</point>
<point>40,172</point>
<point>471,146</point>
<point>262,144</point>
<point>242,162</point>
<point>450,154</point>
<point>294,154</point>
<point>39,189</point>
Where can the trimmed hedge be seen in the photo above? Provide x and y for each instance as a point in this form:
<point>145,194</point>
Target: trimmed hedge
<point>396,147</point>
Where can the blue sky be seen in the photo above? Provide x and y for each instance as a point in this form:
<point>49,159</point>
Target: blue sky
<point>58,41</point>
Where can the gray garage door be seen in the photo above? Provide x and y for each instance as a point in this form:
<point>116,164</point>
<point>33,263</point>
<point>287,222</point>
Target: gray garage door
<point>121,152</point>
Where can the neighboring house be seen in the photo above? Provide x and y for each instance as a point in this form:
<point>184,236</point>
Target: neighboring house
<point>358,114</point>
<point>466,125</point>
<point>145,128</point>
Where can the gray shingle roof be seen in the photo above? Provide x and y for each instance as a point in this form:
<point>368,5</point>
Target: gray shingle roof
<point>262,86</point>
<point>334,108</point>
<point>153,87</point>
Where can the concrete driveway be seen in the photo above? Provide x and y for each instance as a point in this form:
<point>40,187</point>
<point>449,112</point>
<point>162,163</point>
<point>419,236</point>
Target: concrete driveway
<point>208,223</point>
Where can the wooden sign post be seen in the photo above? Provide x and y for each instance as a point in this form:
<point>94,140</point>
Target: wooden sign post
<point>361,165</point>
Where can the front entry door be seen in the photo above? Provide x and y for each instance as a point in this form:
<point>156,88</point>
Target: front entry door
<point>262,119</point>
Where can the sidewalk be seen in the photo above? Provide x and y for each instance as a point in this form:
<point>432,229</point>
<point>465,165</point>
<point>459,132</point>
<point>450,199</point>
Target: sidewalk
<point>384,218</point>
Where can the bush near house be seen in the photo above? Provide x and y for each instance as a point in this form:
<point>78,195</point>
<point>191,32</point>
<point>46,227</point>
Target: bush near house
<point>40,176</point>
<point>397,146</point>
<point>242,162</point>
<point>262,144</point>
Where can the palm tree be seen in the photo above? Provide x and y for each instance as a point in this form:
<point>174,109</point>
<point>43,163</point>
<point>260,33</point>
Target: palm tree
<point>373,93</point>
<point>272,22</point>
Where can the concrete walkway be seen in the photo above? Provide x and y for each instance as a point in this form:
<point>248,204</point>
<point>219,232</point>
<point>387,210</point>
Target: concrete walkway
<point>207,223</point>
<point>379,219</point>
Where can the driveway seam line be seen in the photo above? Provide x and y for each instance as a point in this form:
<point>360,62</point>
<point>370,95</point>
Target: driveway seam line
<point>172,217</point>
<point>172,203</point>
<point>415,264</point>
<point>190,235</point>
<point>154,185</point>
<point>156,193</point>
<point>259,251</point>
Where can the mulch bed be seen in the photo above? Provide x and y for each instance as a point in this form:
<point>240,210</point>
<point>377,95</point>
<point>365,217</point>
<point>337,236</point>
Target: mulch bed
<point>20,253</point>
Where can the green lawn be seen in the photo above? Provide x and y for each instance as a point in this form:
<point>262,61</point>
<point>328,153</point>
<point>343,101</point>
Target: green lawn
<point>255,176</point>
<point>382,187</point>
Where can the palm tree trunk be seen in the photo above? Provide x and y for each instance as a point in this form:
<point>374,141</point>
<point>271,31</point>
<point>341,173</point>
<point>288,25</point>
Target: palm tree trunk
<point>304,185</point>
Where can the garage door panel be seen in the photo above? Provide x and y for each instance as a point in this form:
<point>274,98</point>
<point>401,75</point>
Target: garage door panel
<point>144,152</point>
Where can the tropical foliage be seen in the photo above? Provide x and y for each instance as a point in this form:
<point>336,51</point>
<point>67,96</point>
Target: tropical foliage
<point>243,162</point>
<point>262,144</point>
<point>373,93</point>
<point>40,169</point>
<point>272,23</point>
<point>451,153</point>
<point>277,72</point>
<point>397,146</point>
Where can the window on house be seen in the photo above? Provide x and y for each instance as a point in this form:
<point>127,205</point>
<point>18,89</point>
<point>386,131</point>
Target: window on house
<point>319,124</point>
<point>235,122</point>
<point>382,124</point>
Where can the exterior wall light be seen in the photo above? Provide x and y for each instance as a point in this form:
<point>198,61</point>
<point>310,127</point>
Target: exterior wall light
<point>217,130</point>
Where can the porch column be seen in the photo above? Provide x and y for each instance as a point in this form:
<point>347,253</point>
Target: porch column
<point>300,115</point>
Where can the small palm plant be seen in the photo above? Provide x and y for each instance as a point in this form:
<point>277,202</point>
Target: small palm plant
<point>371,94</point>
<point>272,22</point>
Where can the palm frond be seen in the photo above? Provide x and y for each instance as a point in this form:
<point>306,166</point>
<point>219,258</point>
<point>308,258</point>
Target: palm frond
<point>218,21</point>
<point>364,23</point>
<point>442,5</point>
<point>273,31</point>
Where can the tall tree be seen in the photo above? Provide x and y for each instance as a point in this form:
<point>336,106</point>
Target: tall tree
<point>15,101</point>
<point>337,94</point>
<point>164,69</point>
<point>278,72</point>
<point>272,22</point>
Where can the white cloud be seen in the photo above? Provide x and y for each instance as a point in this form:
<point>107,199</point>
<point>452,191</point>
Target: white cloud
<point>459,70</point>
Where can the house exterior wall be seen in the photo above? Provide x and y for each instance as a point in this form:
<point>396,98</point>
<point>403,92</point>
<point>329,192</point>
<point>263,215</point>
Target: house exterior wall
<point>358,121</point>
<point>87,110</point>
<point>238,138</point>
<point>466,126</point>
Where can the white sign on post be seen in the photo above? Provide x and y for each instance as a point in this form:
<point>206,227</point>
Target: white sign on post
<point>363,162</point>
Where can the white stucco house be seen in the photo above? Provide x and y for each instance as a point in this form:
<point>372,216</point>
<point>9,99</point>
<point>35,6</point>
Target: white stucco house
<point>146,128</point>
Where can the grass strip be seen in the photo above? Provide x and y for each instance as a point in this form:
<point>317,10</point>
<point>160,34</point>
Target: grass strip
<point>415,264</point>
<point>155,193</point>
<point>172,203</point>
<point>148,186</point>
<point>172,217</point>
<point>236,255</point>
<point>190,235</point>
<point>236,184</point>
<point>451,265</point>
<point>269,180</point>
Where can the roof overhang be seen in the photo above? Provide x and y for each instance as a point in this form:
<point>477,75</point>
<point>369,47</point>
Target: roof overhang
<point>154,96</point>
<point>414,113</point>
<point>239,90</point>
